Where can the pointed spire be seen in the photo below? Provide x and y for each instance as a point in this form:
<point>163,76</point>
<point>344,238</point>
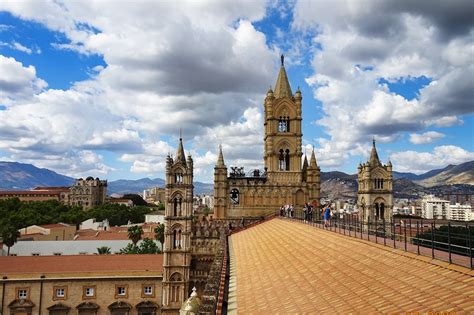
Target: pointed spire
<point>220,159</point>
<point>282,86</point>
<point>374,157</point>
<point>312,162</point>
<point>305,163</point>
<point>180,156</point>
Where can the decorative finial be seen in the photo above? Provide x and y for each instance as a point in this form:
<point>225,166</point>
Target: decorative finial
<point>282,60</point>
<point>180,134</point>
<point>373,141</point>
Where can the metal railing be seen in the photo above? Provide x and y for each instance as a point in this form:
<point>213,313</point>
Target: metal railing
<point>451,242</point>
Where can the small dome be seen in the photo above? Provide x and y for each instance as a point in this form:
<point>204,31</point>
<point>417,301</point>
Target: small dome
<point>191,305</point>
<point>90,178</point>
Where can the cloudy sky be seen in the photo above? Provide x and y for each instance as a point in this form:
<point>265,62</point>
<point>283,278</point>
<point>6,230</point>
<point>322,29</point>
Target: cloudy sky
<point>102,88</point>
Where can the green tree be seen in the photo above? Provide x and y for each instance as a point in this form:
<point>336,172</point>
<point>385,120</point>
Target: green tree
<point>161,206</point>
<point>129,249</point>
<point>9,236</point>
<point>160,234</point>
<point>148,246</point>
<point>135,234</point>
<point>103,250</point>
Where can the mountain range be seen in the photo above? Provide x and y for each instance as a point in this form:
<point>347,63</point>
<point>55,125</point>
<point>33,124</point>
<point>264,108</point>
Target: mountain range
<point>452,178</point>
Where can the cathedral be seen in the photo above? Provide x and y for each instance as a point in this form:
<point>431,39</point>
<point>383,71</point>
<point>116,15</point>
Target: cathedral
<point>286,178</point>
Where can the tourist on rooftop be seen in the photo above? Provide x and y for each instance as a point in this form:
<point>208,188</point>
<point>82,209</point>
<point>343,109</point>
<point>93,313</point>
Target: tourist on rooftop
<point>305,212</point>
<point>327,215</point>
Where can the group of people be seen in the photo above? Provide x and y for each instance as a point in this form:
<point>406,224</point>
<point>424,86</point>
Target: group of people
<point>308,212</point>
<point>287,211</point>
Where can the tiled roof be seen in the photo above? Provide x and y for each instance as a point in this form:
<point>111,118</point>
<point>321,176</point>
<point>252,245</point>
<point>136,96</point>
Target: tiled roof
<point>80,265</point>
<point>287,267</point>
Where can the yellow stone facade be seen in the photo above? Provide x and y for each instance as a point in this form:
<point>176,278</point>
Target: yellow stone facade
<point>375,192</point>
<point>286,178</point>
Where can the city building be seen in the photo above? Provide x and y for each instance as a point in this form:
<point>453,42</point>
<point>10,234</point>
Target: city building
<point>92,224</point>
<point>375,191</point>
<point>61,248</point>
<point>85,284</point>
<point>88,192</point>
<point>38,194</point>
<point>48,232</point>
<point>157,216</point>
<point>434,208</point>
<point>154,195</point>
<point>286,178</point>
<point>119,201</point>
<point>459,212</point>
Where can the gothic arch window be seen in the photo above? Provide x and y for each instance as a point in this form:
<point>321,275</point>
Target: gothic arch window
<point>178,177</point>
<point>174,240</point>
<point>175,287</point>
<point>177,203</point>
<point>284,160</point>
<point>281,161</point>
<point>284,124</point>
<point>178,240</point>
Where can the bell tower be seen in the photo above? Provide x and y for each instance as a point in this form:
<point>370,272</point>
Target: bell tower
<point>282,148</point>
<point>375,192</point>
<point>178,218</point>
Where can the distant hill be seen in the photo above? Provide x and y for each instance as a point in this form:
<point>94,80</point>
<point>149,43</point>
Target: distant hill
<point>452,174</point>
<point>453,178</point>
<point>19,176</point>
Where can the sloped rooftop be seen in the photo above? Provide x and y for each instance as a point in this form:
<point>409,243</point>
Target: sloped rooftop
<point>285,267</point>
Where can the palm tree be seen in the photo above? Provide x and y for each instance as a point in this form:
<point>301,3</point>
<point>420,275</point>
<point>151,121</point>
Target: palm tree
<point>160,234</point>
<point>103,250</point>
<point>135,234</point>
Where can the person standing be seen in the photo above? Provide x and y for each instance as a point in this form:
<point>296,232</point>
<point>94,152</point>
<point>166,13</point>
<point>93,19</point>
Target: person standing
<point>327,216</point>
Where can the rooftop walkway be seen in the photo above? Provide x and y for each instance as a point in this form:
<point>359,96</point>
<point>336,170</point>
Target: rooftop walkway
<point>283,266</point>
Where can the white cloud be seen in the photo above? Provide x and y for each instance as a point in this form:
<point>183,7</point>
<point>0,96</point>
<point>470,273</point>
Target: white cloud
<point>427,137</point>
<point>199,67</point>
<point>22,48</point>
<point>356,46</point>
<point>420,162</point>
<point>18,82</point>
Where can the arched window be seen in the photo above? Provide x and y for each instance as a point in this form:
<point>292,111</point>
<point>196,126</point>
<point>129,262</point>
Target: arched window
<point>174,240</point>
<point>177,206</point>
<point>287,160</point>
<point>281,161</point>
<point>178,242</point>
<point>284,124</point>
<point>178,178</point>
<point>175,287</point>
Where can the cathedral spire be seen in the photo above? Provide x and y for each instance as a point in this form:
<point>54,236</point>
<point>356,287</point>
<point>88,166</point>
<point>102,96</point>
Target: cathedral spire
<point>220,159</point>
<point>305,163</point>
<point>282,86</point>
<point>312,162</point>
<point>180,156</point>
<point>374,157</point>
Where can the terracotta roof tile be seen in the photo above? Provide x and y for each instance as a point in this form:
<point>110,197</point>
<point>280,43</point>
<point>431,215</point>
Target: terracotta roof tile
<point>283,266</point>
<point>61,266</point>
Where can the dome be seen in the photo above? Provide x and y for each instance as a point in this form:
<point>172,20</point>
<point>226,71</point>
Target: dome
<point>191,305</point>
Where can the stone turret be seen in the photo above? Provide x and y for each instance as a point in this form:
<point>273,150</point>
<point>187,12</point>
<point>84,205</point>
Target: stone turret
<point>220,186</point>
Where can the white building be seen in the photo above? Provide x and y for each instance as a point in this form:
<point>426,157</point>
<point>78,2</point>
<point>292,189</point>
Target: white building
<point>434,208</point>
<point>58,248</point>
<point>155,217</point>
<point>460,212</point>
<point>91,224</point>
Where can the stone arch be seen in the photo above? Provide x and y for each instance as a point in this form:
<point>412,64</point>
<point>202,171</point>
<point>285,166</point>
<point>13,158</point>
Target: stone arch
<point>299,200</point>
<point>175,287</point>
<point>284,104</point>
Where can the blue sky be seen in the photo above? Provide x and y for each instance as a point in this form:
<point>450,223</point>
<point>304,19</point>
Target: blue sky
<point>90,91</point>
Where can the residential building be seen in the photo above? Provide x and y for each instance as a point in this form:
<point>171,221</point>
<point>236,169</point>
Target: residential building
<point>434,208</point>
<point>61,248</point>
<point>38,194</point>
<point>154,195</point>
<point>92,224</point>
<point>459,212</point>
<point>157,216</point>
<point>85,284</point>
<point>48,232</point>
<point>119,201</point>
